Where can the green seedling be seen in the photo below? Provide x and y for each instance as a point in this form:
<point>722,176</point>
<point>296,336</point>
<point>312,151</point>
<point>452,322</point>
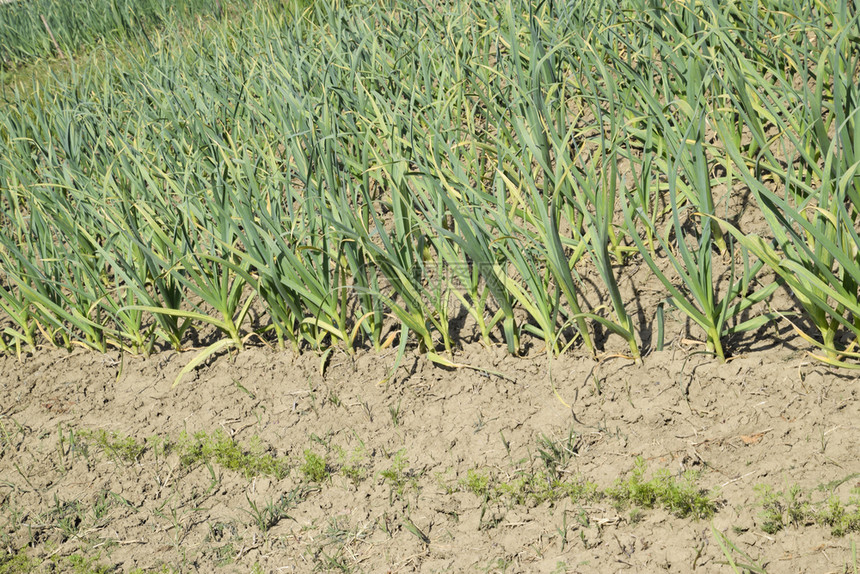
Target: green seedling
<point>274,511</point>
<point>556,454</point>
<point>394,412</point>
<point>415,531</point>
<point>66,516</point>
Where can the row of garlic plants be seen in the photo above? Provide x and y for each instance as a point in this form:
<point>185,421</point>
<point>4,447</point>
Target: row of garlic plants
<point>34,29</point>
<point>365,173</point>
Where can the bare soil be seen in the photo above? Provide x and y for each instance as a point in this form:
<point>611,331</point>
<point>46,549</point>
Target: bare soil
<point>399,455</point>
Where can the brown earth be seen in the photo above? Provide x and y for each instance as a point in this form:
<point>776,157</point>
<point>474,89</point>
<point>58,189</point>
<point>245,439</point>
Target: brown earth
<point>772,417</point>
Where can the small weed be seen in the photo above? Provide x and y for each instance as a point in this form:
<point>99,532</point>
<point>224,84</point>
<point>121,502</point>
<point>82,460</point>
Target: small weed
<point>199,448</point>
<point>261,515</point>
<point>506,443</point>
<point>221,530</point>
<point>355,473</point>
<point>477,483</point>
<point>415,531</point>
<point>159,446</point>
<point>796,509</point>
<point>122,501</point>
<point>398,476</point>
<point>445,485</point>
<point>682,498</point>
<point>353,467</point>
<point>120,448</point>
<point>488,521</point>
<point>533,488</point>
<point>218,447</point>
<point>102,504</point>
<point>783,508</point>
<point>841,518</point>
<point>244,389</point>
<point>273,512</point>
<point>736,558</point>
<point>16,563</point>
<point>70,447</point>
<point>528,488</point>
<point>6,437</point>
<point>177,519</point>
<point>395,414</point>
<point>68,516</point>
<point>83,565</point>
<point>584,540</point>
<point>772,519</point>
<point>315,468</point>
<point>323,441</point>
<point>164,569</point>
<point>583,518</point>
<point>313,397</point>
<point>556,454</point>
<point>562,532</point>
<point>334,549</point>
<point>77,564</point>
<point>499,565</point>
<point>225,554</point>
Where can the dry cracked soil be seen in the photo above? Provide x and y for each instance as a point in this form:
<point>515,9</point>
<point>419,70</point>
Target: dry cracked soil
<point>260,462</point>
